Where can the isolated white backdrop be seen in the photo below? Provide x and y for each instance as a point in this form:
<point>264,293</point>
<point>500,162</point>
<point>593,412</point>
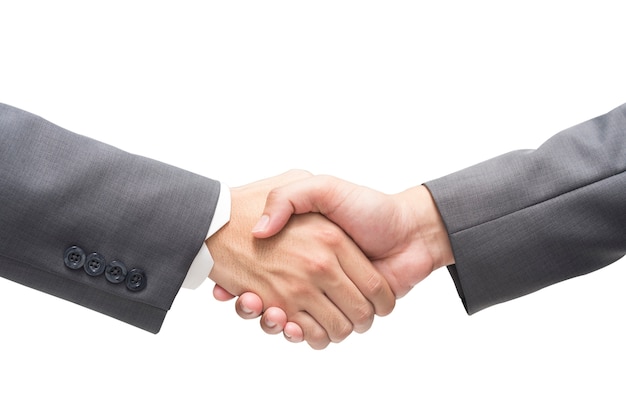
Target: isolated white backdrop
<point>386,94</point>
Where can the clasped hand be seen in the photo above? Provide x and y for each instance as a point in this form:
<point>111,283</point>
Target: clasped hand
<point>318,278</point>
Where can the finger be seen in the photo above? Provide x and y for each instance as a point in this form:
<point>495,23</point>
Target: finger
<point>308,195</point>
<point>293,332</point>
<point>273,320</point>
<point>356,308</point>
<point>351,284</point>
<point>326,314</point>
<point>249,306</point>
<point>312,332</point>
<point>221,294</point>
<point>371,285</point>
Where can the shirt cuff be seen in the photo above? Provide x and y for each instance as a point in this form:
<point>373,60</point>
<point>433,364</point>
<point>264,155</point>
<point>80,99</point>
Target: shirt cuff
<point>203,263</point>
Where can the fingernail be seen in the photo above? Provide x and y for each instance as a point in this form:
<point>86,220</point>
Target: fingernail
<point>287,335</point>
<point>269,323</point>
<point>261,224</point>
<point>245,309</point>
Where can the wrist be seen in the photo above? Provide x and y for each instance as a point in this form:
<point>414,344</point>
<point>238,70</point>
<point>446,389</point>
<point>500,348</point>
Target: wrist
<point>427,225</point>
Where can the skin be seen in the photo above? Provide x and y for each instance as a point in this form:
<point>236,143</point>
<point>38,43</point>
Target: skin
<point>402,234</point>
<point>310,271</point>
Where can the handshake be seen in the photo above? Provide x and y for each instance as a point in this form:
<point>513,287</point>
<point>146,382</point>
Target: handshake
<point>317,257</point>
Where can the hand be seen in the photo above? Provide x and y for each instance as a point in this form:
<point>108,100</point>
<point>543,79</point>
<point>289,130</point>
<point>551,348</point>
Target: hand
<point>403,234</point>
<point>310,270</point>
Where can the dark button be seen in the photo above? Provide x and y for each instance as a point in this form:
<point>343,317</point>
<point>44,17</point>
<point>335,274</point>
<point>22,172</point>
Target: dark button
<point>136,280</point>
<point>95,264</point>
<point>115,272</point>
<point>74,257</point>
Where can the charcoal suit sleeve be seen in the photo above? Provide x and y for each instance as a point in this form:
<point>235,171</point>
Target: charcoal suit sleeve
<point>531,218</point>
<point>92,224</point>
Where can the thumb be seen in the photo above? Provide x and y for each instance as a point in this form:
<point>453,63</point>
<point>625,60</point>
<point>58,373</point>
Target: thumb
<point>303,196</point>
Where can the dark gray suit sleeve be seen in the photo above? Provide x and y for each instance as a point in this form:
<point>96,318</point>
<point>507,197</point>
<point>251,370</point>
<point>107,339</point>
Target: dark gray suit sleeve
<point>529,219</point>
<point>59,190</point>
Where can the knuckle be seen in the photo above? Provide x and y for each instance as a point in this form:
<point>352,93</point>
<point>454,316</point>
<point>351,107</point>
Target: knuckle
<point>317,339</point>
<point>321,264</point>
<point>379,291</point>
<point>364,317</point>
<point>376,285</point>
<point>344,329</point>
<point>330,236</point>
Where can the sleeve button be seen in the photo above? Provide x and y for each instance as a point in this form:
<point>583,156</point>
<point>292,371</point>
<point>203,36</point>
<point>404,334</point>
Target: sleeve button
<point>115,272</point>
<point>136,280</point>
<point>74,257</point>
<point>95,264</point>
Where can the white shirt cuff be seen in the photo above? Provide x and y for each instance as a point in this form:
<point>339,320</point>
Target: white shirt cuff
<point>203,263</point>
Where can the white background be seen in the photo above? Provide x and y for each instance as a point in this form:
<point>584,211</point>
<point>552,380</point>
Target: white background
<point>387,94</point>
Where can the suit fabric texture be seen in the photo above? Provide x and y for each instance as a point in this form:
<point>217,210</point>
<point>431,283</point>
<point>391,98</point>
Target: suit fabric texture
<point>531,218</point>
<point>60,190</point>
